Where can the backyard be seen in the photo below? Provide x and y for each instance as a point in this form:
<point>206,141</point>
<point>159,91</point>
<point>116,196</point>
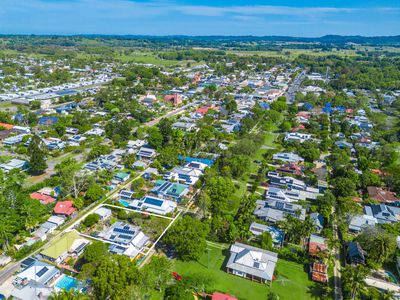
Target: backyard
<point>292,280</point>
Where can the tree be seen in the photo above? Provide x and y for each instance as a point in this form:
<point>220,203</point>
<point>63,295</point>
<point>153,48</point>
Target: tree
<point>94,193</point>
<point>37,155</point>
<point>353,280</point>
<point>204,202</point>
<point>279,106</point>
<point>99,150</point>
<point>73,181</point>
<point>155,138</point>
<point>379,244</point>
<point>113,277</point>
<point>91,219</point>
<point>168,156</point>
<point>266,241</point>
<point>157,273</point>
<point>220,189</point>
<point>188,237</point>
<point>343,187</point>
<point>177,291</point>
<point>72,294</point>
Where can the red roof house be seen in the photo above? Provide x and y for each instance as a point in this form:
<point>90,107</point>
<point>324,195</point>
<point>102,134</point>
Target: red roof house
<point>220,296</point>
<point>317,244</point>
<point>319,272</point>
<point>44,199</point>
<point>6,126</point>
<point>65,208</point>
<point>381,195</point>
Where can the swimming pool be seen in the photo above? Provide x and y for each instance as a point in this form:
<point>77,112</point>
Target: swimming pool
<point>67,283</point>
<point>124,203</point>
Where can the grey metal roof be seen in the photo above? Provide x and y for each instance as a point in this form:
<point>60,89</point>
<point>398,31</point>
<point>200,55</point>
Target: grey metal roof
<point>251,260</point>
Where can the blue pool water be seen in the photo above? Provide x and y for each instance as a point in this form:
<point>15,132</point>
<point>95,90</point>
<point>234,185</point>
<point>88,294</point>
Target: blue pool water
<point>392,277</point>
<point>124,203</point>
<point>67,283</point>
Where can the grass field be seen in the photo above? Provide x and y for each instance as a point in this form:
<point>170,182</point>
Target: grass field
<point>293,53</point>
<point>292,281</point>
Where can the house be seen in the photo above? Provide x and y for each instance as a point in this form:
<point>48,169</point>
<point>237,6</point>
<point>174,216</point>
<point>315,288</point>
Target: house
<point>297,137</point>
<point>355,254</point>
<point>149,173</point>
<point>319,272</point>
<point>274,193</point>
<point>32,291</point>
<point>48,120</point>
<point>104,213</point>
<point>135,144</point>
<point>316,245</point>
<point>95,132</point>
<point>146,153</point>
<point>295,188</point>
<point>69,244</point>
<point>167,189</point>
<point>318,221</point>
<point>288,157</point>
<point>148,99</point>
<point>277,235</point>
<point>252,263</point>
<point>358,223</point>
<point>126,195</point>
<point>104,162</point>
<point>40,273</point>
<point>381,195</point>
<point>154,205</point>
<point>184,126</point>
<point>383,213</point>
<point>125,239</point>
<point>121,177</point>
<point>49,226</point>
<point>274,211</point>
<point>188,174</point>
<point>291,168</point>
<point>175,99</point>
<point>343,144</point>
<point>15,164</point>
<point>13,140</point>
<point>276,179</point>
<point>44,199</point>
<point>65,208</point>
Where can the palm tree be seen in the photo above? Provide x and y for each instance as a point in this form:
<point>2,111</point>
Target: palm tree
<point>353,279</point>
<point>68,295</point>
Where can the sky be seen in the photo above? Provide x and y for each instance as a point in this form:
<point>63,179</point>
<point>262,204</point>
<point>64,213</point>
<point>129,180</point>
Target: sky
<point>302,18</point>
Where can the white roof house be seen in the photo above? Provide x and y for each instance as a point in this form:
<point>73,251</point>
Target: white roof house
<point>154,205</point>
<point>357,223</point>
<point>104,213</point>
<point>251,262</point>
<point>39,272</point>
<point>14,164</point>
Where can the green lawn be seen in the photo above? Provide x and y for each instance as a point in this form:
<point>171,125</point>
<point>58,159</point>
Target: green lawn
<point>292,281</point>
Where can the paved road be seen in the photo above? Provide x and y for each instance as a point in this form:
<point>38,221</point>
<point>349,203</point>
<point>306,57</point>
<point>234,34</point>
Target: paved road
<point>13,267</point>
<point>337,267</point>
<point>169,114</point>
<point>294,87</point>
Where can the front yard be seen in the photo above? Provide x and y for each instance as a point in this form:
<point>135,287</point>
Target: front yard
<point>292,281</point>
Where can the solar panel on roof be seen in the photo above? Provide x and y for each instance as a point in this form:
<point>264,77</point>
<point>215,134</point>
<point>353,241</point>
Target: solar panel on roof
<point>42,271</point>
<point>124,236</point>
<point>153,201</point>
<point>80,247</point>
<point>126,231</point>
